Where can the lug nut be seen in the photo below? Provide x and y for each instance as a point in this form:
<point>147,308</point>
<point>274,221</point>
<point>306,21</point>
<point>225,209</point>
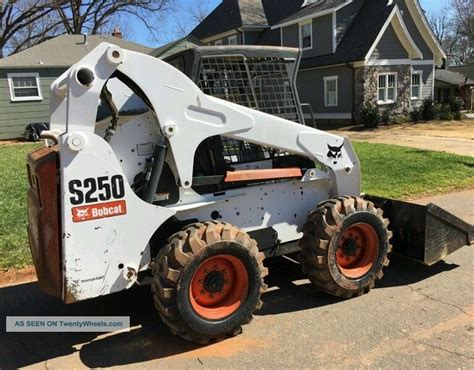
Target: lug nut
<point>200,282</point>
<point>206,271</point>
<point>203,292</point>
<point>211,296</point>
<point>227,282</point>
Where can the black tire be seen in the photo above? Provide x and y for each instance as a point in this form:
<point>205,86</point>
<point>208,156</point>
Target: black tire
<point>174,272</point>
<point>324,245</point>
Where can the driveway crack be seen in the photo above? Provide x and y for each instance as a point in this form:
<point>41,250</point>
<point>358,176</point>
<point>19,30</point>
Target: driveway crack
<point>440,301</point>
<point>414,341</point>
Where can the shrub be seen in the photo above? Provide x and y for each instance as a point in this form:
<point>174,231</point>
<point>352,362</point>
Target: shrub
<point>370,115</point>
<point>455,106</point>
<point>400,119</point>
<point>437,108</point>
<point>445,113</point>
<point>458,116</point>
<point>427,110</point>
<point>385,117</point>
<point>416,115</point>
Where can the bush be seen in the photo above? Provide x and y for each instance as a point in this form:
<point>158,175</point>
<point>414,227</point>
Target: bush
<point>458,116</point>
<point>416,115</point>
<point>370,115</point>
<point>400,119</point>
<point>437,108</point>
<point>455,106</point>
<point>385,117</point>
<point>445,113</point>
<point>427,110</point>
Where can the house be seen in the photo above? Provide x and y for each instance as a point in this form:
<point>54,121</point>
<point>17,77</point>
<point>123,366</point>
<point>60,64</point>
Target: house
<point>25,77</point>
<point>354,51</point>
<point>450,84</point>
<point>175,47</point>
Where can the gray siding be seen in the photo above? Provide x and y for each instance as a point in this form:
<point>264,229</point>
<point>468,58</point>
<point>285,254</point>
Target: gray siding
<point>322,37</point>
<point>415,34</point>
<point>225,40</point>
<point>344,18</point>
<point>310,85</point>
<point>427,87</point>
<point>252,36</point>
<point>389,47</point>
<point>14,116</point>
<point>291,35</point>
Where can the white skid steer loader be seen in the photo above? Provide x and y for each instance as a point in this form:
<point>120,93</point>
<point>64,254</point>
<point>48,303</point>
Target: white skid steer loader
<point>157,197</point>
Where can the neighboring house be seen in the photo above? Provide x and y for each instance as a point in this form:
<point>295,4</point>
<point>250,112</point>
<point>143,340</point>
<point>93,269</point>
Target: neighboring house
<point>175,47</point>
<point>354,51</point>
<point>25,77</point>
<point>450,84</point>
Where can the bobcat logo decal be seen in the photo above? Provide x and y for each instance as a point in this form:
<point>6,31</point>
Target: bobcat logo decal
<point>82,213</point>
<point>335,152</point>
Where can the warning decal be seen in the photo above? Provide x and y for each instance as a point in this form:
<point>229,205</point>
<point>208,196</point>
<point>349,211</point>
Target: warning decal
<point>101,210</point>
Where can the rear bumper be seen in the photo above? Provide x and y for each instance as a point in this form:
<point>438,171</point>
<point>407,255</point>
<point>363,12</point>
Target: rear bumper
<point>43,219</point>
<point>425,233</point>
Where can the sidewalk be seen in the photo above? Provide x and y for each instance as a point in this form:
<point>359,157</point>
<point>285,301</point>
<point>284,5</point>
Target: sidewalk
<point>460,204</point>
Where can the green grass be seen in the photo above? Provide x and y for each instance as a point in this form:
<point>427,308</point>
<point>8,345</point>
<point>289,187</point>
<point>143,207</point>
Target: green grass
<point>14,251</point>
<point>388,171</point>
<point>403,173</point>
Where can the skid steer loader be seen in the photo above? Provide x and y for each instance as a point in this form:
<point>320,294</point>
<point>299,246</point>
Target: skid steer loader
<point>195,192</point>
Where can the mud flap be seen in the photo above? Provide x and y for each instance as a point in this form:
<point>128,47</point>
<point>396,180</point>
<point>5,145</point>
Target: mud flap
<point>425,233</point>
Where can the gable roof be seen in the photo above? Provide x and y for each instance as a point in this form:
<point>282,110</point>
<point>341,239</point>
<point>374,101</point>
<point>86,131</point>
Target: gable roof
<point>233,14</point>
<point>360,36</point>
<point>64,51</point>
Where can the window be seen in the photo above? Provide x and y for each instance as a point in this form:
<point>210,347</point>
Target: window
<point>330,91</point>
<point>416,84</point>
<point>218,42</point>
<point>387,88</point>
<point>306,35</point>
<point>233,40</point>
<point>24,86</point>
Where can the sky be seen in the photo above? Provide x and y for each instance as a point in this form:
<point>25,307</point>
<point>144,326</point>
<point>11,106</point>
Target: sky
<point>168,26</point>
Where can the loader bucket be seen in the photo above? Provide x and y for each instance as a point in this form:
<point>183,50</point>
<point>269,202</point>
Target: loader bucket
<point>425,233</point>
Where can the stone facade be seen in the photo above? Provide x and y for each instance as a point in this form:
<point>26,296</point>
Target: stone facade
<point>365,85</point>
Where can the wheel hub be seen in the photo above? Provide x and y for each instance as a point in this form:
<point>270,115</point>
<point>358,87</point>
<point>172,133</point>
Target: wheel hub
<point>214,282</point>
<point>350,247</point>
<point>357,250</point>
<point>219,286</point>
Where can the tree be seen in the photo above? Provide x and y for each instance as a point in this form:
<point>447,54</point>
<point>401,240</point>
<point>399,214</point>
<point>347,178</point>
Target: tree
<point>92,16</point>
<point>193,14</point>
<point>24,23</point>
<point>454,28</point>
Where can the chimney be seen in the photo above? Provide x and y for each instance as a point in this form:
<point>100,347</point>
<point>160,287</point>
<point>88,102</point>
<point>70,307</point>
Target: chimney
<point>117,32</point>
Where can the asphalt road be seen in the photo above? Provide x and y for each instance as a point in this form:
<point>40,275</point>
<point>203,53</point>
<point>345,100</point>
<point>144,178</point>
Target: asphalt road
<point>417,316</point>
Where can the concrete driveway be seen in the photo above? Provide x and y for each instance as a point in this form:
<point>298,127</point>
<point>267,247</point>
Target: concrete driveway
<point>450,137</point>
<point>417,316</point>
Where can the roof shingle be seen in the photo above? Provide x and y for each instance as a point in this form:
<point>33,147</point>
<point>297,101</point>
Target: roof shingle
<point>64,51</point>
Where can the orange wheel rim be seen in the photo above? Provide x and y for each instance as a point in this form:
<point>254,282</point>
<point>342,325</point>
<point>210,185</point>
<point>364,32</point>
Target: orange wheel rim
<point>219,287</point>
<point>357,250</point>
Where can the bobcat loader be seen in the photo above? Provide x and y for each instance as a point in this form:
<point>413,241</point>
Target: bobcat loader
<point>192,194</point>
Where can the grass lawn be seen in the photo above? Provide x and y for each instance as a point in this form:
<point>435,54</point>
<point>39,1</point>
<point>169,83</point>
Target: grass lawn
<point>388,171</point>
